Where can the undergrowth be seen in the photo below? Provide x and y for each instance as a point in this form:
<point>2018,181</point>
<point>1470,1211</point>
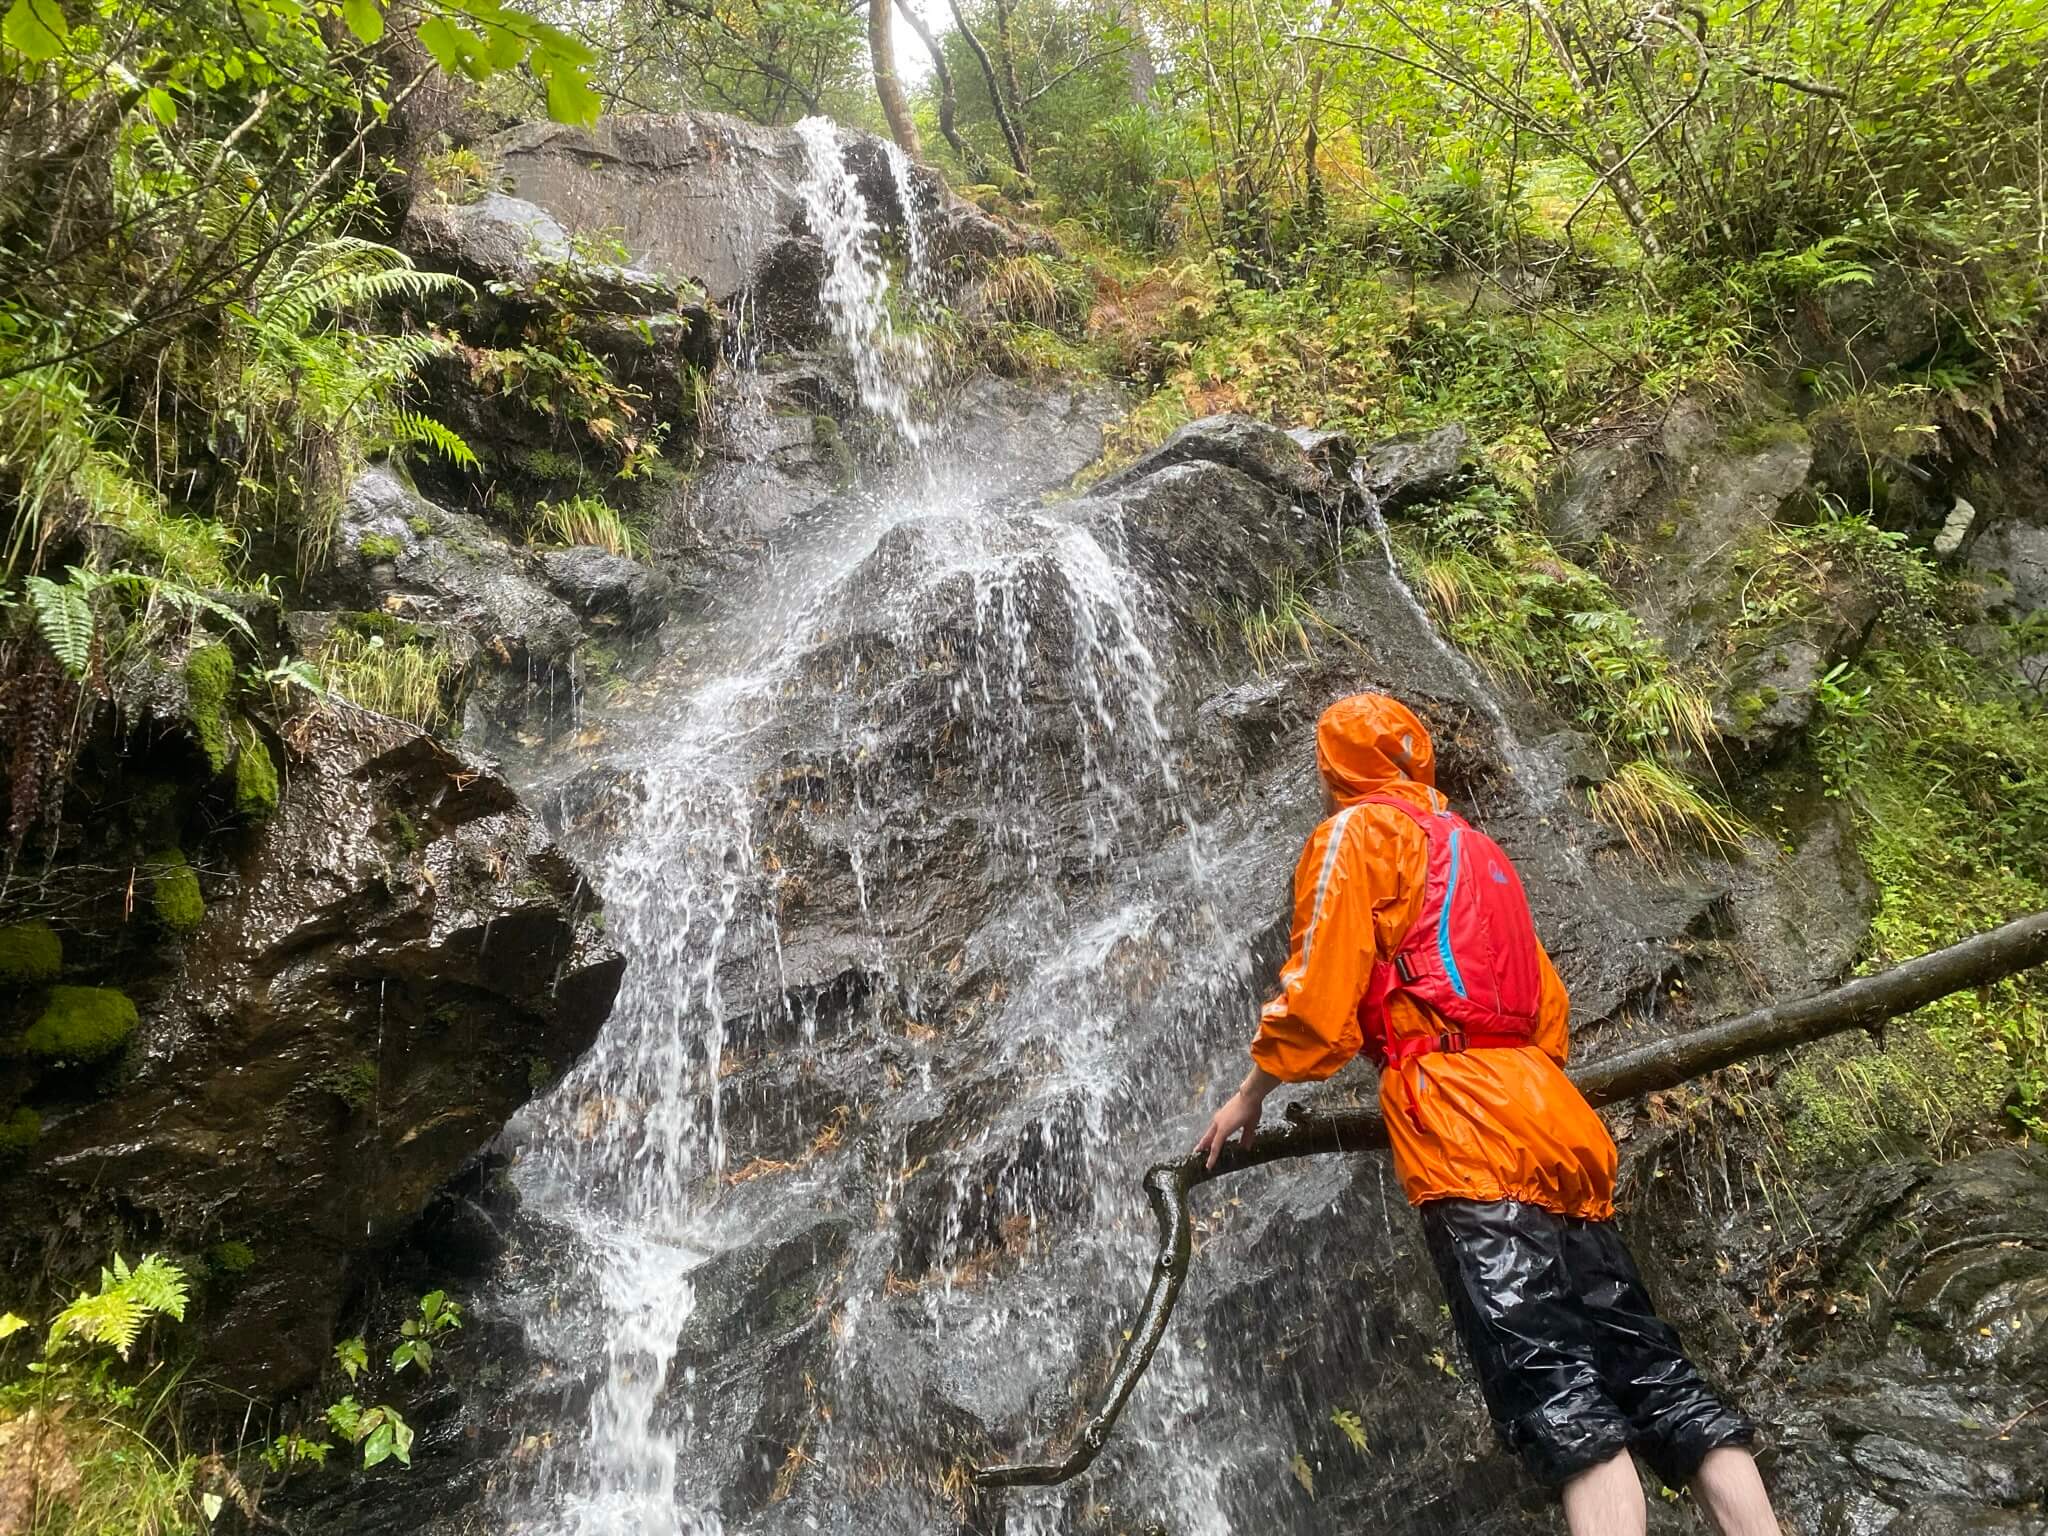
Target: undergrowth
<point>1943,762</point>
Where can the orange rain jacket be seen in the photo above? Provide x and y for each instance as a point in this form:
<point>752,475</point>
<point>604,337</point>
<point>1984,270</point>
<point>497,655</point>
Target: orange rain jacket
<point>1493,1124</point>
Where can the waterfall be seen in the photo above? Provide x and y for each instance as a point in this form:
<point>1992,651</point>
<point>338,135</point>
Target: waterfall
<point>888,368</point>
<point>922,693</point>
<point>916,237</point>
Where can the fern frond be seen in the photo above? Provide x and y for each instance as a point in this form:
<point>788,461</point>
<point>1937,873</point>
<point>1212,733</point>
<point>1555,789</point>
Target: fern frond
<point>409,429</point>
<point>159,1286</point>
<point>63,613</point>
<point>112,1317</point>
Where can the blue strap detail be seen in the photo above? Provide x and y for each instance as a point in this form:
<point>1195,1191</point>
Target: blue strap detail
<point>1443,918</point>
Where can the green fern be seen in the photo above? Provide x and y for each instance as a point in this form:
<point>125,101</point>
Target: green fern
<point>409,429</point>
<point>63,612</point>
<point>126,1301</point>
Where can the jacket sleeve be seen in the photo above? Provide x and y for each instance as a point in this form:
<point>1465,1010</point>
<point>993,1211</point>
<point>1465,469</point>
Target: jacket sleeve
<point>1351,904</point>
<point>1553,1013</point>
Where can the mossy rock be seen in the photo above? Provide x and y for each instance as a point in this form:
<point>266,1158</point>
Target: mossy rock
<point>30,953</point>
<point>209,684</point>
<point>255,776</point>
<point>19,1131</point>
<point>174,894</point>
<point>375,547</point>
<point>81,1024</point>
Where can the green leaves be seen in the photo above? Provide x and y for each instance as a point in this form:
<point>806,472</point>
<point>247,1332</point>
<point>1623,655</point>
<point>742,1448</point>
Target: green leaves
<point>381,1431</point>
<point>365,18</point>
<point>126,1300</point>
<point>352,1356</point>
<point>63,613</point>
<point>479,38</point>
<point>36,29</point>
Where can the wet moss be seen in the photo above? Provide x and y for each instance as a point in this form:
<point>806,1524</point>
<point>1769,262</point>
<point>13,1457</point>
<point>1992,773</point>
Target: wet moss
<point>352,1082</point>
<point>209,683</point>
<point>233,1257</point>
<point>81,1024</point>
<point>29,953</point>
<point>540,1074</point>
<point>404,833</point>
<point>379,546</point>
<point>832,450</point>
<point>255,777</point>
<point>174,894</point>
<point>19,1131</point>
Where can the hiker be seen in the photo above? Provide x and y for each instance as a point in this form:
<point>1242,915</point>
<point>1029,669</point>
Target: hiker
<point>1413,943</point>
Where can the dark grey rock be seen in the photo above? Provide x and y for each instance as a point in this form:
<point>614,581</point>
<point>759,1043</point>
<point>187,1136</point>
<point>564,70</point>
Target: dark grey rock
<point>2014,555</point>
<point>449,568</point>
<point>1401,471</point>
<point>714,199</point>
<point>1261,452</point>
<point>494,239</point>
<point>360,1011</point>
<point>607,588</point>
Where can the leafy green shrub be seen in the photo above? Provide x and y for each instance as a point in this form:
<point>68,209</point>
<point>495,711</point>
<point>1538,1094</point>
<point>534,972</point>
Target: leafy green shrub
<point>1944,765</point>
<point>29,952</point>
<point>81,1024</point>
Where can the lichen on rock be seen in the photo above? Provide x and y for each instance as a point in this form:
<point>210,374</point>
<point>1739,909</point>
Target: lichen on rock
<point>81,1024</point>
<point>29,953</point>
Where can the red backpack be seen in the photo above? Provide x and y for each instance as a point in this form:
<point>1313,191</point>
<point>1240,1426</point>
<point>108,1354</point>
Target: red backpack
<point>1471,956</point>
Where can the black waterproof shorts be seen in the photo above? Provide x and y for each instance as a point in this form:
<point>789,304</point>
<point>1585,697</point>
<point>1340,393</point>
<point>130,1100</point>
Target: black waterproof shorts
<point>1573,1359</point>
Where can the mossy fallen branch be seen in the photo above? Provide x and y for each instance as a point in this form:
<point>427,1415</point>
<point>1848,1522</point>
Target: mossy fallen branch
<point>1863,1003</point>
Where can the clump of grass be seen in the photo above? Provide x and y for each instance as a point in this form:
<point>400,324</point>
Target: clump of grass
<point>1537,621</point>
<point>406,681</point>
<point>1660,812</point>
<point>1034,288</point>
<point>586,520</point>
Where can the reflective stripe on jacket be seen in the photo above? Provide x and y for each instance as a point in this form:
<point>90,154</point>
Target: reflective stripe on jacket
<point>1494,1124</point>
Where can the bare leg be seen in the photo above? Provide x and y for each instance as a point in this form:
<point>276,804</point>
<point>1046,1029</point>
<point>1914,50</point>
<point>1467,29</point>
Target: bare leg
<point>1728,1485</point>
<point>1607,1500</point>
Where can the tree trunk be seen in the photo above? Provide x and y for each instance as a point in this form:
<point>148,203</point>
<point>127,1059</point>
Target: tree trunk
<point>1861,1004</point>
<point>882,50</point>
<point>1014,140</point>
<point>970,158</point>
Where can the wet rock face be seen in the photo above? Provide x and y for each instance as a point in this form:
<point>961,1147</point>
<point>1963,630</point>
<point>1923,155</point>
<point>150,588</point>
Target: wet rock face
<point>714,199</point>
<point>397,958</point>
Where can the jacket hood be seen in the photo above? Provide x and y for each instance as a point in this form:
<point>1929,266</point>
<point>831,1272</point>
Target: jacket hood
<point>1369,741</point>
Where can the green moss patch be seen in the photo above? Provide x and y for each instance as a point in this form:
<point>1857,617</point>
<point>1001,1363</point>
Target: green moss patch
<point>29,953</point>
<point>255,776</point>
<point>19,1131</point>
<point>232,1257</point>
<point>379,546</point>
<point>352,1082</point>
<point>81,1024</point>
<point>174,894</point>
<point>209,683</point>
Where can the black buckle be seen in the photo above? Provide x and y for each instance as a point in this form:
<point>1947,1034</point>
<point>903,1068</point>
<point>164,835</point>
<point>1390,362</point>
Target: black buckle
<point>1401,970</point>
<point>1451,1042</point>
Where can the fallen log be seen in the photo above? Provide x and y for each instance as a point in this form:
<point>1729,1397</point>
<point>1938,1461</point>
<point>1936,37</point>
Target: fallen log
<point>1864,1003</point>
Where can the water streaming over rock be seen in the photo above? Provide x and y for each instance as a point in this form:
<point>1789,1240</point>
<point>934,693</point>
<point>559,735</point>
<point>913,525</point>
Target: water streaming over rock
<point>888,368</point>
<point>947,889</point>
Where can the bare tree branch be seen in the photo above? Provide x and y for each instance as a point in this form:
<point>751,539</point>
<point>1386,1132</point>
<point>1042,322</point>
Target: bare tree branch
<point>1861,1004</point>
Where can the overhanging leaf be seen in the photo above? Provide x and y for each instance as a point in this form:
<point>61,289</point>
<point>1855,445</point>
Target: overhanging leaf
<point>36,28</point>
<point>365,18</point>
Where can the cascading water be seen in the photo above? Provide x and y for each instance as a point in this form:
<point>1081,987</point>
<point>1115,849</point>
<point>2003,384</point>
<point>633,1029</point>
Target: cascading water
<point>939,886</point>
<point>1103,942</point>
<point>888,369</point>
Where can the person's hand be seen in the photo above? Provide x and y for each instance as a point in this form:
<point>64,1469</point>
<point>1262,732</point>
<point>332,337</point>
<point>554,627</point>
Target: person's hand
<point>1238,1117</point>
